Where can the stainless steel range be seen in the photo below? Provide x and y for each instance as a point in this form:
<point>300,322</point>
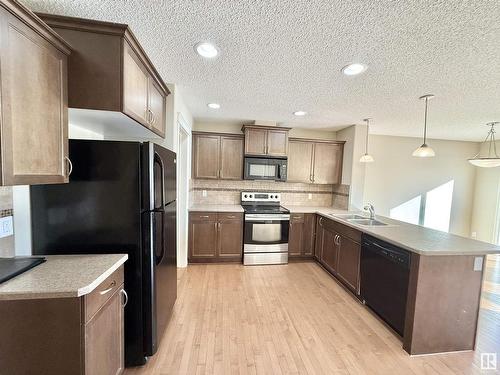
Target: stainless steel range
<point>266,229</point>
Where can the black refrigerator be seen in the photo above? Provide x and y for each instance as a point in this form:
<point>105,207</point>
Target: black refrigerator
<point>121,198</point>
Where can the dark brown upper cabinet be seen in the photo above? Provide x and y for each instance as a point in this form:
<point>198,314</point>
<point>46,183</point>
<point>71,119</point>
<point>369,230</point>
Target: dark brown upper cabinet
<point>34,99</point>
<point>315,161</point>
<point>217,156</point>
<point>266,140</point>
<point>112,84</point>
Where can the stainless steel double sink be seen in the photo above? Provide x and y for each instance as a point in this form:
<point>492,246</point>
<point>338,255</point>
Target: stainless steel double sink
<point>360,220</point>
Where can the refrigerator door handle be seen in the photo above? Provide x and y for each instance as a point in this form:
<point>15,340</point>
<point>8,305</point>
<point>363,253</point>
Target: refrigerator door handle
<point>159,258</point>
<point>158,160</point>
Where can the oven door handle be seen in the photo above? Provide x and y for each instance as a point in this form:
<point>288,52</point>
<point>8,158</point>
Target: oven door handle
<point>265,218</point>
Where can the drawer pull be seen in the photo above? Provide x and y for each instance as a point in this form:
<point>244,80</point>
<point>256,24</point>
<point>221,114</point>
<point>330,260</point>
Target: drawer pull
<point>106,291</point>
<point>204,216</point>
<point>232,217</point>
<point>125,295</point>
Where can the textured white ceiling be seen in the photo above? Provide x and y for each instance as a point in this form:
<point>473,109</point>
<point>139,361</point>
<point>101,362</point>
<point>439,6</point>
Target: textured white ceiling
<point>284,55</point>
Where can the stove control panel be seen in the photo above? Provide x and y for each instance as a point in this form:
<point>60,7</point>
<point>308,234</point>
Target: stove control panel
<point>252,196</point>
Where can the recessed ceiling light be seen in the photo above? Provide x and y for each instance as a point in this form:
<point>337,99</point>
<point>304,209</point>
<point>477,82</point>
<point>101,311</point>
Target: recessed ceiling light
<point>300,113</point>
<point>213,105</point>
<point>207,50</point>
<point>354,69</point>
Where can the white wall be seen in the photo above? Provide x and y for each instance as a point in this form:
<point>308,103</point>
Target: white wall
<point>486,212</point>
<point>353,172</point>
<point>396,176</point>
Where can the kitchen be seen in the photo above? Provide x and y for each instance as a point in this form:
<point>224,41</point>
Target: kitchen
<point>184,228</point>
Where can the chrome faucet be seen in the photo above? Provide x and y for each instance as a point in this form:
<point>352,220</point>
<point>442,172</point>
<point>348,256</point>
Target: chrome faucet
<point>369,207</point>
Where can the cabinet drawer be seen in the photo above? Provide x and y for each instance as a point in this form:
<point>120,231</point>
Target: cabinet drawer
<point>346,231</point>
<point>297,218</point>
<point>224,216</point>
<point>203,216</point>
<point>95,300</point>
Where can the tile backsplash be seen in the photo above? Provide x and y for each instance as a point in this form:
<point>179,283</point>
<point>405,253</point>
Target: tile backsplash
<point>7,243</point>
<point>228,192</point>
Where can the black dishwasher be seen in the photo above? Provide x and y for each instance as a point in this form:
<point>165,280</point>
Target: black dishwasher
<point>385,272</point>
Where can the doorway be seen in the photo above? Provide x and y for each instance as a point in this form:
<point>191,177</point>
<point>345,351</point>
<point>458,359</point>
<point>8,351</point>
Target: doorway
<point>183,173</point>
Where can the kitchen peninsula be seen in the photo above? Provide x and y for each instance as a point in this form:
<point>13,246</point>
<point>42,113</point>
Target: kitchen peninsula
<point>64,316</point>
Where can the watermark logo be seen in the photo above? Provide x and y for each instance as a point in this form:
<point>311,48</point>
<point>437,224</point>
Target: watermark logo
<point>488,361</point>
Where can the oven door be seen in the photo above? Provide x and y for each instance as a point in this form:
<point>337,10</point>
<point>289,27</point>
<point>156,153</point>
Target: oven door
<point>266,232</point>
<point>265,169</point>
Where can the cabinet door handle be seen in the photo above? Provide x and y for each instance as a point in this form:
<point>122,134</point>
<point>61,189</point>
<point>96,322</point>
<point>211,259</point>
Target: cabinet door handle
<point>106,291</point>
<point>321,221</point>
<point>153,118</point>
<point>70,164</point>
<point>339,240</point>
<point>125,296</point>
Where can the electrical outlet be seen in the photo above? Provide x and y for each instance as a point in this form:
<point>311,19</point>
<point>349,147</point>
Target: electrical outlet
<point>478,263</point>
<point>474,235</point>
<point>204,193</point>
<point>6,226</point>
<point>309,196</point>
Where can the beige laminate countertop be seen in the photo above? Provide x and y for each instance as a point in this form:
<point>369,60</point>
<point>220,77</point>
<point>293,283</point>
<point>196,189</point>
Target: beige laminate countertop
<point>216,208</point>
<point>415,238</point>
<point>62,276</point>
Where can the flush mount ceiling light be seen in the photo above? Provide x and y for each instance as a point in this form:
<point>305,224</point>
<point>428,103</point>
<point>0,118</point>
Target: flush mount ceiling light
<point>425,151</point>
<point>207,50</point>
<point>492,159</point>
<point>354,69</point>
<point>300,113</point>
<point>367,158</point>
<point>213,105</point>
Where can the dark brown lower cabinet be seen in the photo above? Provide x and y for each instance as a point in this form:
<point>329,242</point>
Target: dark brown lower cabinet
<point>301,236</point>
<point>329,250</point>
<point>318,241</point>
<point>348,262</point>
<point>215,237</point>
<point>338,249</point>
<point>70,336</point>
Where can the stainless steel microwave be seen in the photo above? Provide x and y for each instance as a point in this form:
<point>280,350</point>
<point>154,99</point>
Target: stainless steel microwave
<point>265,168</point>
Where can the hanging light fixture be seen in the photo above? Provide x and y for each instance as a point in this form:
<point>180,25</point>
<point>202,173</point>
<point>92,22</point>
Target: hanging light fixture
<point>425,151</point>
<point>367,158</point>
<point>492,160</point>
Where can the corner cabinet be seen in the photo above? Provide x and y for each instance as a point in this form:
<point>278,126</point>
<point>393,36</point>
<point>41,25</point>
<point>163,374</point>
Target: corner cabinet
<point>111,76</point>
<point>266,140</point>
<point>315,161</point>
<point>215,237</point>
<point>217,156</point>
<point>34,104</point>
<point>70,336</point>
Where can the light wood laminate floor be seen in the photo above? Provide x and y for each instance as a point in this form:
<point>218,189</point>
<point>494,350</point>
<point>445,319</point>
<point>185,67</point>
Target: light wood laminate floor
<point>295,319</point>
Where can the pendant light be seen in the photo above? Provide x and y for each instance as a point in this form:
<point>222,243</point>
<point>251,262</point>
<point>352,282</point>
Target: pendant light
<point>367,158</point>
<point>425,151</point>
<point>492,160</point>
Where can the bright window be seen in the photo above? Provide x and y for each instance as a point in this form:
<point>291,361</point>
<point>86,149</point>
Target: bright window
<point>408,212</point>
<point>431,209</point>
